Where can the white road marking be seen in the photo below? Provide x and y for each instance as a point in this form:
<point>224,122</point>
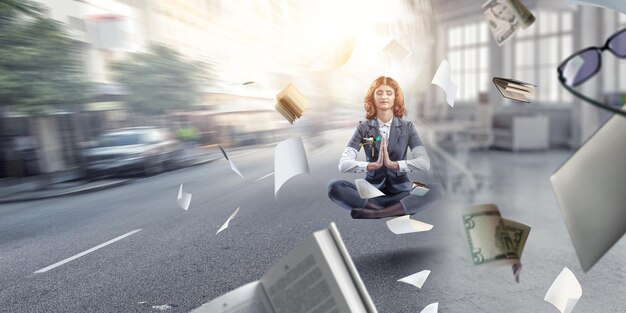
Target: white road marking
<point>45,269</point>
<point>264,177</point>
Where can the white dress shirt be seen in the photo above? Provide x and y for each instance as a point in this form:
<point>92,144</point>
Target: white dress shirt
<point>384,128</point>
<point>419,160</point>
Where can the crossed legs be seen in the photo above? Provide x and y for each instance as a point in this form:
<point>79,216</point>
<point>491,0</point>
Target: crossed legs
<point>345,194</point>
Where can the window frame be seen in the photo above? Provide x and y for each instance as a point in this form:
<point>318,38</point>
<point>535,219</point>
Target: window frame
<point>534,35</point>
<point>610,63</point>
<point>460,72</point>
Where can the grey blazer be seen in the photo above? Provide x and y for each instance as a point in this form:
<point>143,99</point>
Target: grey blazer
<point>402,135</point>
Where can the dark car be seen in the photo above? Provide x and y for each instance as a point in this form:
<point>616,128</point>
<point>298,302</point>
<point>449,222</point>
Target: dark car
<point>148,150</point>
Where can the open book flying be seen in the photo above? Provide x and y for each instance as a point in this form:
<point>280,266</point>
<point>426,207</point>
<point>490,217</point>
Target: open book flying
<point>514,89</point>
<point>317,276</point>
<point>291,103</point>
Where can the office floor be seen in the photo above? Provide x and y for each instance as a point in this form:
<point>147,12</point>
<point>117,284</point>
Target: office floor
<point>519,184</point>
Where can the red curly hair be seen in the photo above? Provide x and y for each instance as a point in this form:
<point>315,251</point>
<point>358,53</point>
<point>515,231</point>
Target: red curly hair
<point>398,103</point>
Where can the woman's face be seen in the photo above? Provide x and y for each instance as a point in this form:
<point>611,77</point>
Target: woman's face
<point>384,97</point>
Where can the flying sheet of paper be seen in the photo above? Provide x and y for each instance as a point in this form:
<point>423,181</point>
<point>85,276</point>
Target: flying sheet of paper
<point>443,80</point>
<point>232,165</point>
<point>223,152</point>
<point>431,308</point>
<point>367,190</point>
<point>404,225</point>
<point>235,169</point>
<point>564,292</point>
<point>183,198</point>
<point>396,51</point>
<point>227,221</point>
<point>289,160</point>
<point>416,279</point>
<point>617,5</point>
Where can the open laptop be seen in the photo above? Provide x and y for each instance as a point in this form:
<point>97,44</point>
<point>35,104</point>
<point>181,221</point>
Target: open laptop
<point>591,190</point>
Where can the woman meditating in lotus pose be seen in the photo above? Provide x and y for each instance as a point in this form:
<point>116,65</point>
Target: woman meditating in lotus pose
<point>385,137</point>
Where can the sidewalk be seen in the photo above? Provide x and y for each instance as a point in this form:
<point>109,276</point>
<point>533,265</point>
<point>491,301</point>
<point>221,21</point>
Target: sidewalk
<point>63,189</point>
<point>198,156</point>
<point>27,191</point>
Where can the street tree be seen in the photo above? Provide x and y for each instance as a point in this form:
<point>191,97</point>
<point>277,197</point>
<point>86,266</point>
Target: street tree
<point>40,64</point>
<point>160,80</point>
<point>10,9</point>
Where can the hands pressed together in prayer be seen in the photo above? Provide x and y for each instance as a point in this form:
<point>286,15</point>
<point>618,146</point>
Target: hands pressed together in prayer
<point>383,160</point>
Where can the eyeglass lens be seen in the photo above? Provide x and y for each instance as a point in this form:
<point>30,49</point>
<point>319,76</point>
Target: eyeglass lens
<point>586,63</point>
<point>617,45</point>
<point>580,67</point>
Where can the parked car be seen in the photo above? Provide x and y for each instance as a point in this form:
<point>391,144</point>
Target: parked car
<point>148,150</point>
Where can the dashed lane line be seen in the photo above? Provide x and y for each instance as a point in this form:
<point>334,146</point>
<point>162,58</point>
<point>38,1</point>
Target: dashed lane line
<point>57,264</point>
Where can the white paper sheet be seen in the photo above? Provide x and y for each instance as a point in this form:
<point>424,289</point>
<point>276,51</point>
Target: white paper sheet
<point>367,190</point>
<point>416,279</point>
<point>227,221</point>
<point>431,308</point>
<point>183,199</point>
<point>419,191</point>
<point>564,292</point>
<point>289,160</point>
<point>235,169</point>
<point>405,225</point>
<point>443,80</point>
<point>396,51</point>
<point>232,165</point>
<point>617,5</point>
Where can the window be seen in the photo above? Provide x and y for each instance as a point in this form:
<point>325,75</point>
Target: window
<point>613,69</point>
<point>468,55</point>
<point>76,23</point>
<point>538,51</point>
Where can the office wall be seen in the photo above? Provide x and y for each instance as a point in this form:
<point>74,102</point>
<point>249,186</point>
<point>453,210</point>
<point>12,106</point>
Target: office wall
<point>571,121</point>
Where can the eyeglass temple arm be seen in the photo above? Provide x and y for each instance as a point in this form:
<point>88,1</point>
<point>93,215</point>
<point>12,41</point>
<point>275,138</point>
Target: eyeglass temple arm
<point>592,101</point>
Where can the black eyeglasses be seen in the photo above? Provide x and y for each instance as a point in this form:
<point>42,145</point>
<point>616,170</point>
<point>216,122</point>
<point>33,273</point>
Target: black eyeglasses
<point>582,65</point>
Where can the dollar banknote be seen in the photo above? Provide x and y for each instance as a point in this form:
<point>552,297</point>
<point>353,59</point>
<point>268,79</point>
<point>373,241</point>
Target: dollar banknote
<point>505,17</point>
<point>493,240</point>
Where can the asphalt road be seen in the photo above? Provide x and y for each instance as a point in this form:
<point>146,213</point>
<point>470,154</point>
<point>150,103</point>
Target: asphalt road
<point>176,262</point>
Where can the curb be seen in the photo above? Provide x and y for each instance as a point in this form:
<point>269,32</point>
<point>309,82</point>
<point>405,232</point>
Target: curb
<point>65,193</point>
<point>111,185</point>
<point>88,190</point>
<point>198,163</point>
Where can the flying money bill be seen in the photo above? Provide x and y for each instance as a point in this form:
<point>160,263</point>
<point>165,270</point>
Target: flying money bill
<point>505,17</point>
<point>492,240</point>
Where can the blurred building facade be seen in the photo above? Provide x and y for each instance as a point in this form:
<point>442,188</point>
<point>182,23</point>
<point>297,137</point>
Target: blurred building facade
<point>108,31</point>
<point>330,51</point>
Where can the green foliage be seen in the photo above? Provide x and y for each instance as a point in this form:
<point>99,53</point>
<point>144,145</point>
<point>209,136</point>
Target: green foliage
<point>160,81</point>
<point>40,66</point>
<point>11,8</point>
